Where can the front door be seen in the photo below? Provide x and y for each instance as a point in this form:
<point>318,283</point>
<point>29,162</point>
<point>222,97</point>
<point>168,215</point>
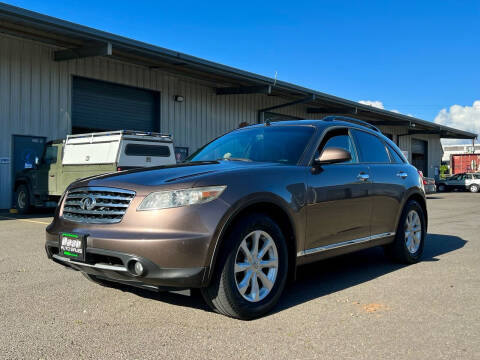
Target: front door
<point>339,203</point>
<point>47,174</point>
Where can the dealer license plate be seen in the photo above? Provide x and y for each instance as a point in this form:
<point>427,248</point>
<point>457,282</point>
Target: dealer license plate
<point>72,246</point>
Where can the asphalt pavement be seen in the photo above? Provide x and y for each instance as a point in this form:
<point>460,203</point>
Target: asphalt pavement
<point>358,306</point>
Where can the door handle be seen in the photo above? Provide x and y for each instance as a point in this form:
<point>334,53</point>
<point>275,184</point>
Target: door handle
<point>363,177</point>
<point>402,174</point>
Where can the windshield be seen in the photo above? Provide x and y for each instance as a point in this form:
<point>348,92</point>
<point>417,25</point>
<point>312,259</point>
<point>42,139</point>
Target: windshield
<point>280,144</point>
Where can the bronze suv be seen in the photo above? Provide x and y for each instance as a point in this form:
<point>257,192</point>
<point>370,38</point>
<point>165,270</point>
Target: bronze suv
<point>239,216</point>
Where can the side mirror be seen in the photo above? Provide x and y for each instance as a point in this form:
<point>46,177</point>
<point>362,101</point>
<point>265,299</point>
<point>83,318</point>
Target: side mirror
<point>333,155</point>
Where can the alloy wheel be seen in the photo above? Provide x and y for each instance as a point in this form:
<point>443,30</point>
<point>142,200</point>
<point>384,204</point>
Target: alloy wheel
<point>413,231</point>
<point>256,266</point>
<point>22,199</point>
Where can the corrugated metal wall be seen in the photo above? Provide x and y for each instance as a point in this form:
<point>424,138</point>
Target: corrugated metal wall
<point>36,92</point>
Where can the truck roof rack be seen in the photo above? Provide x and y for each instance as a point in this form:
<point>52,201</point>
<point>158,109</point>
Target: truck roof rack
<point>352,120</point>
<point>121,132</point>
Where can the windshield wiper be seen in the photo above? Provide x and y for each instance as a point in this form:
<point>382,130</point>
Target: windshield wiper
<point>235,159</point>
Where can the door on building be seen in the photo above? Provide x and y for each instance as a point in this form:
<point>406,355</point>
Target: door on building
<point>420,155</point>
<point>103,106</point>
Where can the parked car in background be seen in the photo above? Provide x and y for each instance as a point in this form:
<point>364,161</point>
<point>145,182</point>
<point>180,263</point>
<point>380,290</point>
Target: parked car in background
<point>428,184</point>
<point>243,212</point>
<point>463,181</point>
<point>86,155</point>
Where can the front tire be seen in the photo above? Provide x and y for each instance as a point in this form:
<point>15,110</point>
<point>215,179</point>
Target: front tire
<point>96,280</point>
<point>442,188</point>
<point>409,242</point>
<point>22,200</point>
<point>474,188</point>
<point>252,269</point>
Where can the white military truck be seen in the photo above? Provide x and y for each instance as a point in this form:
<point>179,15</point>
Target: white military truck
<point>84,155</point>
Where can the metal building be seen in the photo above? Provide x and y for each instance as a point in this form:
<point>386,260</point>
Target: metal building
<point>58,78</point>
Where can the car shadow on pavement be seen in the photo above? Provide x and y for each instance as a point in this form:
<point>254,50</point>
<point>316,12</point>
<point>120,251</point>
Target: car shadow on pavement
<point>336,274</point>
<point>38,214</point>
<point>321,278</point>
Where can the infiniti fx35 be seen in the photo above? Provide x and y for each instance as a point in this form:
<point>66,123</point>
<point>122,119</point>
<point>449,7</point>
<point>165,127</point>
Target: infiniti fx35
<point>237,218</point>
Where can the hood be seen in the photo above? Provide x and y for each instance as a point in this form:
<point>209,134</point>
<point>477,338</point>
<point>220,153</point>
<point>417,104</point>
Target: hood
<point>164,175</point>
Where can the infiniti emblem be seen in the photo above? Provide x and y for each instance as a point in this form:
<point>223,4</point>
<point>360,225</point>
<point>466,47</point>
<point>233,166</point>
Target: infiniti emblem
<point>88,203</point>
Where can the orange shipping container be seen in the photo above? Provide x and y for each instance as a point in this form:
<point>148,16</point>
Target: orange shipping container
<point>461,163</point>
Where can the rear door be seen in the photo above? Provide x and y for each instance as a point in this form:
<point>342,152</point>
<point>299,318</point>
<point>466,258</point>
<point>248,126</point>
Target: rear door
<point>389,177</point>
<point>468,181</point>
<point>339,202</point>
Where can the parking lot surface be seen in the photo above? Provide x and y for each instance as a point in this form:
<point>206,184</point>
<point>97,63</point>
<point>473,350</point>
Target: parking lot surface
<point>358,306</point>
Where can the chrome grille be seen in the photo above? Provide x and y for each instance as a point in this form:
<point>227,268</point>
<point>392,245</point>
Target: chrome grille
<point>97,205</point>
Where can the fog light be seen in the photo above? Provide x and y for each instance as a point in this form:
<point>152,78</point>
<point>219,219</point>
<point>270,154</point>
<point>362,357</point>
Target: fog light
<point>138,268</point>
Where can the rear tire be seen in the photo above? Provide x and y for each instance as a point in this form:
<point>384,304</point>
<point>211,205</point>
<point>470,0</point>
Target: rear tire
<point>22,199</point>
<point>407,248</point>
<point>474,188</point>
<point>249,280</point>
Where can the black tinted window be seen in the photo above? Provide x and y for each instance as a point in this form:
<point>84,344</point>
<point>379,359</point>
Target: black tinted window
<point>50,156</point>
<point>476,176</point>
<point>394,155</point>
<point>371,148</point>
<point>147,150</point>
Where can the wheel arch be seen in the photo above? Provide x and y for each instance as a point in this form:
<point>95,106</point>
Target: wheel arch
<point>270,207</point>
<point>419,198</point>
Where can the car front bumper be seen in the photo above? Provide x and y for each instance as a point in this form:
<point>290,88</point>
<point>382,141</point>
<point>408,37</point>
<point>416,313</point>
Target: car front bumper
<point>173,245</point>
<point>117,266</point>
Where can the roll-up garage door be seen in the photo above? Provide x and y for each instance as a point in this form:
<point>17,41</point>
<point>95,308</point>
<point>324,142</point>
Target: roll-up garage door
<point>420,155</point>
<point>103,106</point>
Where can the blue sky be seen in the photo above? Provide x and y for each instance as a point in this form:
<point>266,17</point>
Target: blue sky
<point>417,57</point>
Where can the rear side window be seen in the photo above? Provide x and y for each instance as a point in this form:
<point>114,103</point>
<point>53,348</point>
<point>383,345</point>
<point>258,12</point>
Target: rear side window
<point>147,150</point>
<point>371,148</point>
<point>394,155</point>
<point>476,176</point>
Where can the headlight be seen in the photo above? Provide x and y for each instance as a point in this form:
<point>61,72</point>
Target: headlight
<point>177,198</point>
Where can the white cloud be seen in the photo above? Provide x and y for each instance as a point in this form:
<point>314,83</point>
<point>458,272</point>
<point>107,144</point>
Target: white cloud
<point>460,117</point>
<point>375,103</point>
<point>378,104</point>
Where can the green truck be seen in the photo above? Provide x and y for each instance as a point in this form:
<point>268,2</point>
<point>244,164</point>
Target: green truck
<point>84,155</point>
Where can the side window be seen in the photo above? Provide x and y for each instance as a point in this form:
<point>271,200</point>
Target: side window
<point>371,148</point>
<point>476,176</point>
<point>147,150</point>
<point>339,138</point>
<point>50,156</point>
<point>395,158</point>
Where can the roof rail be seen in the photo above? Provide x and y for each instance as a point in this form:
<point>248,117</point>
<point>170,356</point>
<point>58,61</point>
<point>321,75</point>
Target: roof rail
<point>352,120</point>
<point>120,132</point>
